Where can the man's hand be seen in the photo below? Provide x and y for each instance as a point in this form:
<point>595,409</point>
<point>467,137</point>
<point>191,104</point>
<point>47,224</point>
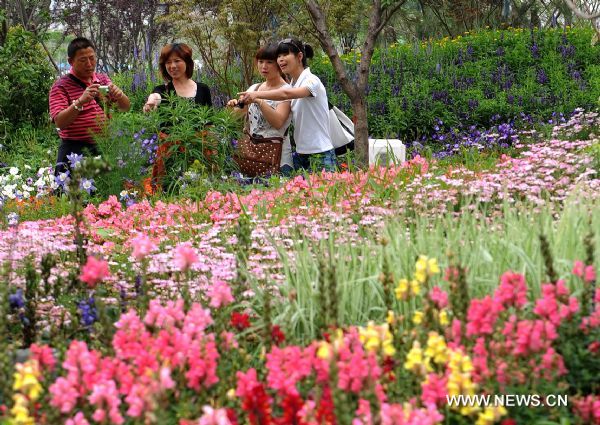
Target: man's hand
<point>115,92</point>
<point>89,94</point>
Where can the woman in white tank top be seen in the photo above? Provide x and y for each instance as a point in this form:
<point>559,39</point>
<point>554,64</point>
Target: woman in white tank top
<point>269,118</point>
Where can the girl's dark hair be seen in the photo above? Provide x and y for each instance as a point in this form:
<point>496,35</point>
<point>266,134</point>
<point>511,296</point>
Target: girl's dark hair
<point>268,52</point>
<point>295,46</point>
<point>78,43</point>
<point>183,51</point>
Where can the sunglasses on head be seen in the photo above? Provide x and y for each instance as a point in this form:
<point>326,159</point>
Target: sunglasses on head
<point>292,42</point>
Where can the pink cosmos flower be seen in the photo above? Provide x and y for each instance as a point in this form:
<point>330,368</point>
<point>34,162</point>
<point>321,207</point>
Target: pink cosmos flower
<point>94,271</point>
<point>219,294</point>
<point>142,246</point>
<point>184,256</point>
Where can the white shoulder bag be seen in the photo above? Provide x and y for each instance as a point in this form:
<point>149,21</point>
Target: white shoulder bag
<point>341,128</point>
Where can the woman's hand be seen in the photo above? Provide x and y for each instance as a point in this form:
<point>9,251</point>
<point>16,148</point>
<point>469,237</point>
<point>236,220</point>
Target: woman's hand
<point>232,103</point>
<point>248,96</point>
<point>152,102</point>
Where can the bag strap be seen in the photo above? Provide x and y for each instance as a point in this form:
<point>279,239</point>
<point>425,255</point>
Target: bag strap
<point>246,120</point>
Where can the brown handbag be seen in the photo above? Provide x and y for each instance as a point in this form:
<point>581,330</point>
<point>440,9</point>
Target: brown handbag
<point>258,156</point>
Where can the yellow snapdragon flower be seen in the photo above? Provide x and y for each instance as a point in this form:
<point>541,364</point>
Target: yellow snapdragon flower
<point>415,361</point>
<point>415,287</point>
<point>402,289</point>
<point>26,379</point>
<point>376,337</point>
<point>390,318</point>
<point>459,379</point>
<point>327,349</point>
<point>20,411</point>
<point>417,317</point>
<point>436,348</point>
<point>425,267</point>
<point>443,318</point>
<point>490,415</point>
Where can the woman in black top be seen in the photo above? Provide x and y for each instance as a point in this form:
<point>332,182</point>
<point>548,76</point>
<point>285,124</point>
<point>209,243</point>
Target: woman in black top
<point>177,66</point>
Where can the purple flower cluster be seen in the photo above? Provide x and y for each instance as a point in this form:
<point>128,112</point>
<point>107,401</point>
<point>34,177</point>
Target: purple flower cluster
<point>89,312</point>
<point>501,135</point>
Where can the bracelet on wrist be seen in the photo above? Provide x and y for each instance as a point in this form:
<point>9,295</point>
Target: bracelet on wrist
<point>77,107</point>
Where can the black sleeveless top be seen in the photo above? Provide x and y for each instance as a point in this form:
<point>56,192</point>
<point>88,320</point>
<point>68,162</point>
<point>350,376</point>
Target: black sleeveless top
<point>202,93</point>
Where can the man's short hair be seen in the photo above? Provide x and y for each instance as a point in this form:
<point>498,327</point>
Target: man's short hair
<point>78,44</point>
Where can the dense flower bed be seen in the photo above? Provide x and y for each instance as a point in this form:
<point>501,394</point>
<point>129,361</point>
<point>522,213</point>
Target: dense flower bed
<point>180,312</point>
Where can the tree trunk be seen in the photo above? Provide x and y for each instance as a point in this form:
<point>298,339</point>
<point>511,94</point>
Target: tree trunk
<point>355,90</point>
<point>361,129</point>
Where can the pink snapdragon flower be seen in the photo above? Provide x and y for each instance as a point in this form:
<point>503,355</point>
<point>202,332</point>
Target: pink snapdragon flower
<point>512,290</point>
<point>482,316</point>
<point>363,413</point>
<point>439,297</point>
<point>44,356</point>
<point>214,417</point>
<point>588,409</point>
<point>551,305</point>
<point>142,246</point>
<point>219,294</point>
<point>94,271</point>
<point>184,256</point>
<point>78,419</point>
<point>287,367</point>
<point>587,273</point>
<point>434,390</point>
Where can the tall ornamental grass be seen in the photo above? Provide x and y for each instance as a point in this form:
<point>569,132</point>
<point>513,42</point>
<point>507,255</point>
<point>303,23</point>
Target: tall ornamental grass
<point>485,248</point>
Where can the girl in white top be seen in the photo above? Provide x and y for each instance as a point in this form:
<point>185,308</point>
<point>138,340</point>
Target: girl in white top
<point>269,118</point>
<point>309,106</point>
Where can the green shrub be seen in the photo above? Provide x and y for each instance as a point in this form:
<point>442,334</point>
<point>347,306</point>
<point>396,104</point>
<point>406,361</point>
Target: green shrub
<point>199,140</point>
<point>473,80</point>
<point>26,78</point>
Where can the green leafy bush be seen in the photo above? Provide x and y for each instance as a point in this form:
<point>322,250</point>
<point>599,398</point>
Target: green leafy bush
<point>198,141</point>
<point>475,79</point>
<point>26,78</point>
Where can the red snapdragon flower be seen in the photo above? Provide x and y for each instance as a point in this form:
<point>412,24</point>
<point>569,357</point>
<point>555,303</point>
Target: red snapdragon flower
<point>240,321</point>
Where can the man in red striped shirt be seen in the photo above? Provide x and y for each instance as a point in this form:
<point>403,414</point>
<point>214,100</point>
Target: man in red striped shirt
<point>76,102</point>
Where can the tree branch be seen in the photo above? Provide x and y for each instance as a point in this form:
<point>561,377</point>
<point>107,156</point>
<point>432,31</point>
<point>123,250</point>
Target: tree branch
<point>580,13</point>
<point>387,14</point>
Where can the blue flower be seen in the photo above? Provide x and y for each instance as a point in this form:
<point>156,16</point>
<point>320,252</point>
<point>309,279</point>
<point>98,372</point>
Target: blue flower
<point>16,301</point>
<point>12,219</point>
<point>74,159</point>
<point>87,185</point>
<point>89,313</point>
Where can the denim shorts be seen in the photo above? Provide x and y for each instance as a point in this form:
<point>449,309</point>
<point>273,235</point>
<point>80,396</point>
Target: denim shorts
<point>315,161</point>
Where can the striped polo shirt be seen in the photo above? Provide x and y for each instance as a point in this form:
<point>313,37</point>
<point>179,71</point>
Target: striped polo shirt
<point>64,91</point>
